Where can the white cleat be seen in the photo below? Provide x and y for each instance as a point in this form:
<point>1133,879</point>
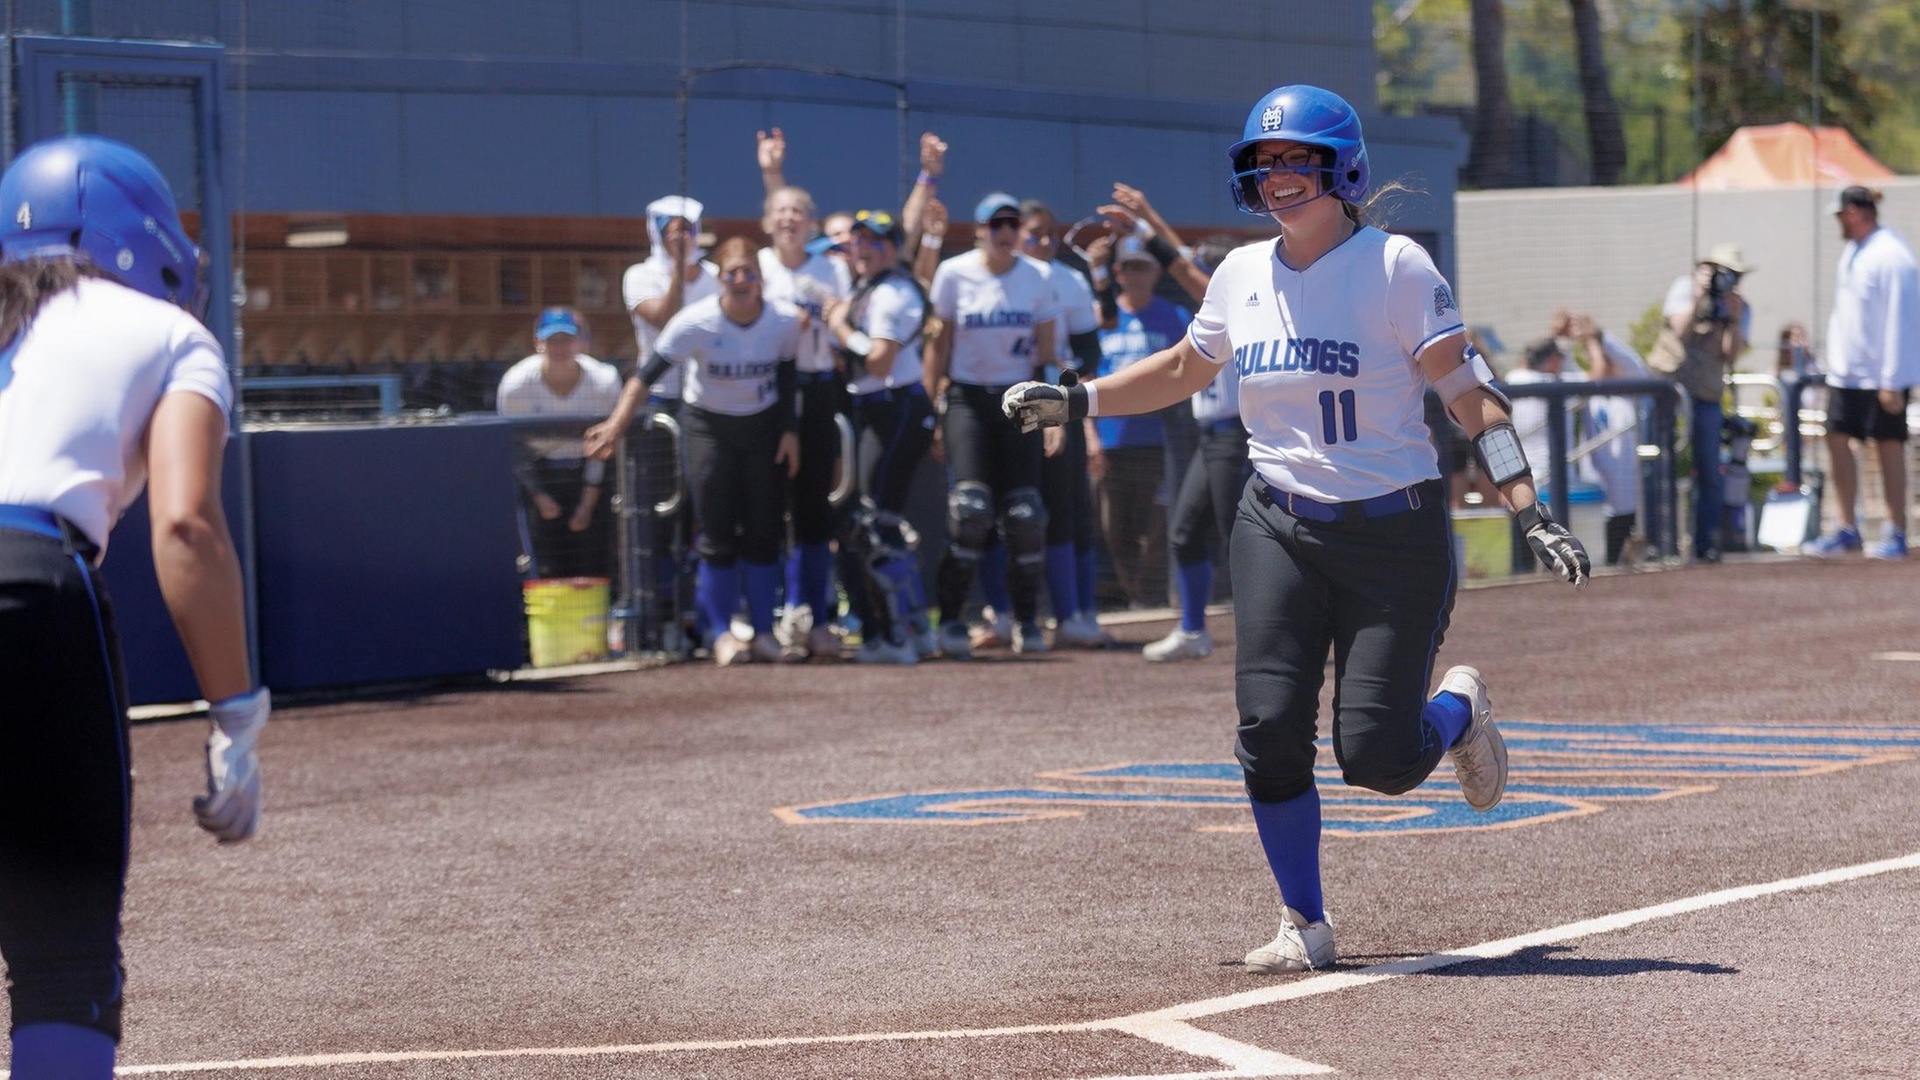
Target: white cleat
<point>1480,757</point>
<point>1300,946</point>
<point>1081,632</point>
<point>1029,639</point>
<point>996,633</point>
<point>729,650</point>
<point>1180,645</point>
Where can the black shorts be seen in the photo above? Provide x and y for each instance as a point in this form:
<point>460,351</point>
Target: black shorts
<point>1856,413</point>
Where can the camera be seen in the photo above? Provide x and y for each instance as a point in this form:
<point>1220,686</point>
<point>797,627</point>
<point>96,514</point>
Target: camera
<point>1718,286</point>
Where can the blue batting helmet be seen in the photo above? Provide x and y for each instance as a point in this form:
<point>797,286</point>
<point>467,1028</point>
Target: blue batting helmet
<point>101,199</point>
<point>1314,117</point>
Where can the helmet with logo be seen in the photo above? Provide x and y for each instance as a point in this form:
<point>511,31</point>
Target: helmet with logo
<point>103,200</point>
<point>1314,117</point>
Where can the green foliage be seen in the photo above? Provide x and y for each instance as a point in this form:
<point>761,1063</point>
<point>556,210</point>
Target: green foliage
<point>1757,68</point>
<point>1645,329</point>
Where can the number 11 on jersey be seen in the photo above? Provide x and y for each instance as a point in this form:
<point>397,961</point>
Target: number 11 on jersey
<point>1348,426</point>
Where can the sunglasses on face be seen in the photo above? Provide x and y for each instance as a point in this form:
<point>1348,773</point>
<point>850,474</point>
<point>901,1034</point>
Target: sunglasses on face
<point>999,223</point>
<point>739,273</point>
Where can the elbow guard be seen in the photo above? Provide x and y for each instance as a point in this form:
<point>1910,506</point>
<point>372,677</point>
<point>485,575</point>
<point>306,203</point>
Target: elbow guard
<point>1472,372</point>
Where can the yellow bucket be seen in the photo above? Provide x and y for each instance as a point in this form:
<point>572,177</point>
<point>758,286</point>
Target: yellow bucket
<point>566,620</point>
<point>1485,539</point>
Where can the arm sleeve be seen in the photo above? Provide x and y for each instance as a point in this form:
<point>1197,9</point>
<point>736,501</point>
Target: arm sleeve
<point>656,366</point>
<point>1208,330</point>
<point>786,399</point>
<point>1420,304</point>
<point>1086,349</point>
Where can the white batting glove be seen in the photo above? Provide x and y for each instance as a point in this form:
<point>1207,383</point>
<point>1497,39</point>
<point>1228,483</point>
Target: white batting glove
<point>1554,545</point>
<point>1035,405</point>
<point>230,809</point>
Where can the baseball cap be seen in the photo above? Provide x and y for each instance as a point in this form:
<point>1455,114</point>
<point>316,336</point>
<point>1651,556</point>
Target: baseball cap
<point>879,223</point>
<point>998,203</point>
<point>1132,249</point>
<point>1863,197</point>
<point>1728,255</point>
<point>556,320</point>
<point>820,245</point>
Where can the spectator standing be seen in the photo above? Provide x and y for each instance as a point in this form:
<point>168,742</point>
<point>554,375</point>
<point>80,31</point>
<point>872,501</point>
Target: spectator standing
<point>1615,418</point>
<point>1873,361</point>
<point>1706,331</point>
<point>565,529</point>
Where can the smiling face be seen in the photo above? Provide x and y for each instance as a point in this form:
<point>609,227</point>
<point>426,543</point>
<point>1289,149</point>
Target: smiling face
<point>740,275</point>
<point>788,219</point>
<point>1296,175</point>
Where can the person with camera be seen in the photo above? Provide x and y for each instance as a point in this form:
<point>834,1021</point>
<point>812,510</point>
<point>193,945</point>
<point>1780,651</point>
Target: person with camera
<point>1873,361</point>
<point>1706,331</point>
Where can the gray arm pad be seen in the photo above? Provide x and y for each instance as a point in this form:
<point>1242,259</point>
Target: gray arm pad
<point>1471,373</point>
<point>1501,456</point>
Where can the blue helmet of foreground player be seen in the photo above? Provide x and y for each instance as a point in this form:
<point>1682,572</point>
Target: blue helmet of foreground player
<point>1309,115</point>
<point>101,199</point>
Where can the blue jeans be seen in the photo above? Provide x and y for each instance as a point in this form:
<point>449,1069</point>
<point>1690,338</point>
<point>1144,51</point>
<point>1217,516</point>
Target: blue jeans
<point>1708,498</point>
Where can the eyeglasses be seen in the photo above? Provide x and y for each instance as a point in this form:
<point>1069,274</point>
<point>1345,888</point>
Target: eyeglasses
<point>739,273</point>
<point>1293,157</point>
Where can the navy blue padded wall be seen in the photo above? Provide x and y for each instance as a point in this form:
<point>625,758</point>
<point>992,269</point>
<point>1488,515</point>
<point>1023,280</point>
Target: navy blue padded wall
<point>386,554</point>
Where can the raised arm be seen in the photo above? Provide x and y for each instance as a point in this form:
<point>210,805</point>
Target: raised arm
<point>1162,241</point>
<point>933,162</point>
<point>770,148</point>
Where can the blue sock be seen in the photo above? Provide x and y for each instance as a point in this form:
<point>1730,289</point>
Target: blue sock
<point>1063,586</point>
<point>1196,587</point>
<point>1449,715</point>
<point>1290,834</point>
<point>815,589</point>
<point>1088,561</point>
<point>62,1052</point>
<point>763,586</point>
<point>993,580</point>
<point>716,592</point>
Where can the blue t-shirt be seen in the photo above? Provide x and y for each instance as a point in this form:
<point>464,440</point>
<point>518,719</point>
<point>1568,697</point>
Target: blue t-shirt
<point>1137,337</point>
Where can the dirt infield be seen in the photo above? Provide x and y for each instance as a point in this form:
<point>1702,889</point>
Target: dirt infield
<point>1041,867</point>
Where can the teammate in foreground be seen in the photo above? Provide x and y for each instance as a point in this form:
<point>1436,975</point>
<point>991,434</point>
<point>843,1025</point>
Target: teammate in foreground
<point>106,385</point>
<point>1342,539</point>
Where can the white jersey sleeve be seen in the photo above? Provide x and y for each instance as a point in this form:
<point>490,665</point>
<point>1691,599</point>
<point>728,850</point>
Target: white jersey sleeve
<point>1208,330</point>
<point>895,312</point>
<point>1420,304</point>
<point>945,293</point>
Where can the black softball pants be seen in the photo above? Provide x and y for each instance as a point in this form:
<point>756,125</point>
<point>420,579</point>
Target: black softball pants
<point>892,431</point>
<point>65,784</point>
<point>1376,591</point>
<point>820,398</point>
<point>987,449</point>
<point>1209,495</point>
<point>736,486</point>
<point>1065,489</point>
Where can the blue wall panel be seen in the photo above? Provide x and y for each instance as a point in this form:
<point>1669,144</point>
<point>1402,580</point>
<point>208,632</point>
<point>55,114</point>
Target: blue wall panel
<point>497,154</point>
<point>312,150</point>
<point>333,25</point>
<point>386,554</point>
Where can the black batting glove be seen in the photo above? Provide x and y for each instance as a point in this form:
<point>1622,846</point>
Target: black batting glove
<point>1553,545</point>
<point>1034,405</point>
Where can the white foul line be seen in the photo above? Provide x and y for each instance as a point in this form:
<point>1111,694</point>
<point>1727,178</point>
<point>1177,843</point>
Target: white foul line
<point>1168,1027</point>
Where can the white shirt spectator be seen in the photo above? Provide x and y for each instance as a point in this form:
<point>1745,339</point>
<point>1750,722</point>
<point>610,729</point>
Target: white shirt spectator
<point>1873,335</point>
<point>895,312</point>
<point>646,280</point>
<point>1076,312</point>
<point>993,316</point>
<point>86,377</point>
<point>730,369</point>
<point>523,392</point>
<point>1616,463</point>
<point>810,287</point>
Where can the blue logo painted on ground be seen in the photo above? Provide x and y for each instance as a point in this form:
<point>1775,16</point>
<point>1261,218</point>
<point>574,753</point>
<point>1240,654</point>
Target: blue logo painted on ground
<point>1558,771</point>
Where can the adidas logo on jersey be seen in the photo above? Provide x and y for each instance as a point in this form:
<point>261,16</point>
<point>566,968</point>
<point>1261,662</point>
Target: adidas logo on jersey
<point>1254,300</point>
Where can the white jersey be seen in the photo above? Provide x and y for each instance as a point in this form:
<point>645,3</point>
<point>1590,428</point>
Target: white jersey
<point>77,390</point>
<point>895,312</point>
<point>1329,388</point>
<point>1075,311</point>
<point>730,369</point>
<point>524,393</point>
<point>810,287</point>
<point>646,280</point>
<point>1873,335</point>
<point>993,317</point>
<point>1220,400</point>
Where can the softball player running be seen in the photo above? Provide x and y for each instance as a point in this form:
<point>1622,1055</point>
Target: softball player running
<point>106,385</point>
<point>793,275</point>
<point>737,349</point>
<point>1341,542</point>
<point>996,310</point>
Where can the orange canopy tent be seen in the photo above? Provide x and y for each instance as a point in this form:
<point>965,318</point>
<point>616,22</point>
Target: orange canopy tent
<point>1788,155</point>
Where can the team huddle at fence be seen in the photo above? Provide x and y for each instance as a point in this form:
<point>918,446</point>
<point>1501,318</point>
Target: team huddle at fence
<point>810,379</point>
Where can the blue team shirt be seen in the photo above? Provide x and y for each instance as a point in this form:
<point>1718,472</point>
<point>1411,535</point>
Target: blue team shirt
<point>1137,337</point>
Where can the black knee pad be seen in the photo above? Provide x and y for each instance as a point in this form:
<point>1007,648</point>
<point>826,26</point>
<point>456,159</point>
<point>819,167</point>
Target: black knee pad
<point>1026,523</point>
<point>970,516</point>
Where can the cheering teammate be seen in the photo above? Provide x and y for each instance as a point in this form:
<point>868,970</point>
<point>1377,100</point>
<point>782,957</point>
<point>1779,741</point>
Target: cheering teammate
<point>1342,541</point>
<point>737,349</point>
<point>997,313</point>
<point>106,385</point>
